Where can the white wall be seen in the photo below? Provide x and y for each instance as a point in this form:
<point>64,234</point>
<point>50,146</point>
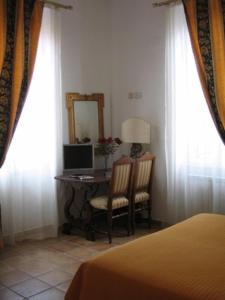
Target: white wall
<point>117,47</point>
<point>138,43</point>
<point>86,52</point>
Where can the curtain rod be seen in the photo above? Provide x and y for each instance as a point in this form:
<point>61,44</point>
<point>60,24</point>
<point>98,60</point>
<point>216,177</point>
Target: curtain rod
<point>57,5</point>
<point>165,2</point>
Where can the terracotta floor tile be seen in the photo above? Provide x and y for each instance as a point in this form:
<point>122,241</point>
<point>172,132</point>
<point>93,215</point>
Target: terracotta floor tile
<point>55,261</point>
<point>36,268</point>
<point>5,268</point>
<point>28,250</point>
<point>75,238</point>
<point>63,236</point>
<point>46,254</point>
<point>63,246</point>
<point>40,252</point>
<point>37,243</point>
<point>43,255</point>
<point>8,252</point>
<point>47,241</point>
<point>51,294</point>
<point>13,277</point>
<point>64,286</point>
<point>30,287</point>
<point>23,246</point>
<point>101,246</point>
<point>87,257</point>
<point>15,260</point>
<point>123,240</point>
<point>84,242</point>
<point>81,252</point>
<point>69,268</point>
<point>55,277</point>
<point>60,259</point>
<point>6,294</point>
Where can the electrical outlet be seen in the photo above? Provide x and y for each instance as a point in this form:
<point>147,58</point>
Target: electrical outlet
<point>137,95</point>
<point>140,95</point>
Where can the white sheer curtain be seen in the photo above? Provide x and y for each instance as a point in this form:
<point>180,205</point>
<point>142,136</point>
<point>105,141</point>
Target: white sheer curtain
<point>27,186</point>
<point>195,154</point>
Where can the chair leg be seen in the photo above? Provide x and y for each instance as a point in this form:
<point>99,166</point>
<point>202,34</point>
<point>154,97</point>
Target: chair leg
<point>87,224</point>
<point>133,219</point>
<point>109,223</point>
<point>90,224</point>
<point>149,214</point>
<point>129,217</point>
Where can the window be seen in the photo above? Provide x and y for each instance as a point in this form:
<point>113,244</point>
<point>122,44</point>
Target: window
<point>195,154</point>
<point>27,186</point>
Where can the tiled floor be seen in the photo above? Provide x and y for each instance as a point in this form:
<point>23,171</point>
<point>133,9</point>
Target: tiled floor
<point>43,270</point>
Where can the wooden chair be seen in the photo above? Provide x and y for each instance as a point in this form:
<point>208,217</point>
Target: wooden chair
<point>117,202</point>
<point>141,187</point>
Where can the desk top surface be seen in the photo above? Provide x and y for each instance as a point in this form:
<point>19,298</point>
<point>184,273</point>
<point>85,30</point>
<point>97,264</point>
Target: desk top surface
<point>85,178</point>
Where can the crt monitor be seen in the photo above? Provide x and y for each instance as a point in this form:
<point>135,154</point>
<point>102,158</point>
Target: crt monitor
<point>78,158</point>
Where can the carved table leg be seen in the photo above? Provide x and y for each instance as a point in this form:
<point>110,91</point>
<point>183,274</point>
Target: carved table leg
<point>88,222</point>
<point>84,220</point>
<point>71,220</point>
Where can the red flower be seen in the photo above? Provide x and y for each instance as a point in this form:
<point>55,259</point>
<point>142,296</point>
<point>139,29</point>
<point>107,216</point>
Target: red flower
<point>102,140</point>
<point>109,140</point>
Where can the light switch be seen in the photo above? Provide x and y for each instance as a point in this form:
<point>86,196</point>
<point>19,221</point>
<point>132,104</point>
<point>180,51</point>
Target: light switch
<point>130,95</point>
<point>135,95</point>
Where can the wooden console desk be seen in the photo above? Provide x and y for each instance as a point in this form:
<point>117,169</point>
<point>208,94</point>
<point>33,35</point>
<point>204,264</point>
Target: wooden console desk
<point>85,187</point>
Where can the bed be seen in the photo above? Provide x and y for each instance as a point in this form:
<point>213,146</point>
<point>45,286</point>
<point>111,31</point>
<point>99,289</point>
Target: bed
<point>184,261</point>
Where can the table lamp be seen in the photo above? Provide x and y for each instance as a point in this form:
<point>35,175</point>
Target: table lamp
<point>137,132</point>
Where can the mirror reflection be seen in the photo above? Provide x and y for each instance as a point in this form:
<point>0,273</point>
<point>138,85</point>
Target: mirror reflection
<point>86,120</point>
<point>85,116</point>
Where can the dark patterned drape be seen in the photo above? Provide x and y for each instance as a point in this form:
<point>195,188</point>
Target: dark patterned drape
<point>206,24</point>
<point>20,22</point>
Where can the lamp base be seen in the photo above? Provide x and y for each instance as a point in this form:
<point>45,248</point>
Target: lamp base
<point>136,150</point>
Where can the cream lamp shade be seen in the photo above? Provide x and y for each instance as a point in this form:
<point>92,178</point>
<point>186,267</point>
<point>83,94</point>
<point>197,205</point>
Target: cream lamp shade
<point>137,132</point>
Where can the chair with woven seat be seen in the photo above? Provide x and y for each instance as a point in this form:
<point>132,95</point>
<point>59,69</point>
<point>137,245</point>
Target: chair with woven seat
<point>141,187</point>
<point>117,202</point>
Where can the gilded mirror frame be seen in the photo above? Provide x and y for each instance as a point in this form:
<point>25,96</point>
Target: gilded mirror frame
<point>70,99</point>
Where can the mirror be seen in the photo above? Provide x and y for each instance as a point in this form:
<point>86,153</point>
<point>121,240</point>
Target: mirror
<point>85,115</point>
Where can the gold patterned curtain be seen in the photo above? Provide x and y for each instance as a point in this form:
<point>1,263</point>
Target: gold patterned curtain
<point>20,23</point>
<point>206,24</point>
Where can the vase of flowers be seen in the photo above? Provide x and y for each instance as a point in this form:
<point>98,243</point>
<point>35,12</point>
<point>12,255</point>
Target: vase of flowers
<point>107,147</point>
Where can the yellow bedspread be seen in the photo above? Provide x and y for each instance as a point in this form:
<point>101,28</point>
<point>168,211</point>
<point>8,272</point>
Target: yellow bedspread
<point>185,261</point>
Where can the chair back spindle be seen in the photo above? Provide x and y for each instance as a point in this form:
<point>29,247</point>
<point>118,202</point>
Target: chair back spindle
<point>121,178</point>
<point>143,174</point>
<point>141,189</point>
